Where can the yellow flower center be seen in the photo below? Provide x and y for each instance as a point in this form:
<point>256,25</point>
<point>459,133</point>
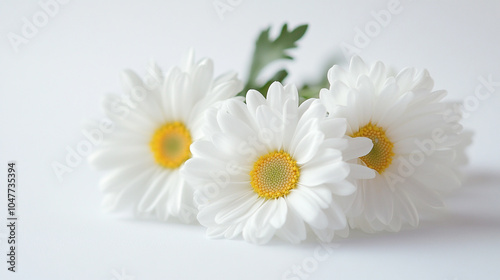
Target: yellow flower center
<point>380,157</point>
<point>274,175</point>
<point>170,145</point>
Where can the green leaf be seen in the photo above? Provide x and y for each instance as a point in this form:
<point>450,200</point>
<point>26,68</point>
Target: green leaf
<point>268,51</point>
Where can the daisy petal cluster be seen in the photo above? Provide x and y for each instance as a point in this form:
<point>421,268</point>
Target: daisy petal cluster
<point>155,124</point>
<point>274,168</point>
<point>415,136</point>
<point>374,151</point>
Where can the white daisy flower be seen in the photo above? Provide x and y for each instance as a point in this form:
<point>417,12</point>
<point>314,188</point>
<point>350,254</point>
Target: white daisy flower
<point>270,168</point>
<point>155,125</point>
<point>414,134</point>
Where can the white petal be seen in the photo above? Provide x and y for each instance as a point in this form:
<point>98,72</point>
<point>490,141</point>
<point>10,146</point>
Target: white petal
<point>112,157</point>
<point>280,214</point>
<point>159,186</point>
<point>406,209</point>
<point>358,147</point>
<point>307,208</point>
<point>358,171</point>
<point>327,174</point>
<point>124,176</point>
<point>334,127</point>
<point>294,229</point>
<point>276,96</point>
<point>307,148</point>
<point>417,190</point>
<point>343,188</point>
<point>238,208</point>
<point>358,66</point>
<point>202,78</point>
<point>271,133</point>
<point>385,205</point>
<point>234,126</point>
<point>254,99</point>
<point>396,111</point>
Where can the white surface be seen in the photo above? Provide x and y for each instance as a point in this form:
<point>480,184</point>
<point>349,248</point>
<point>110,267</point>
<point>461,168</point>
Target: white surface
<point>57,79</point>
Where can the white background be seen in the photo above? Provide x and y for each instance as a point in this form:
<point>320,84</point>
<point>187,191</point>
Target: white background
<point>58,77</point>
